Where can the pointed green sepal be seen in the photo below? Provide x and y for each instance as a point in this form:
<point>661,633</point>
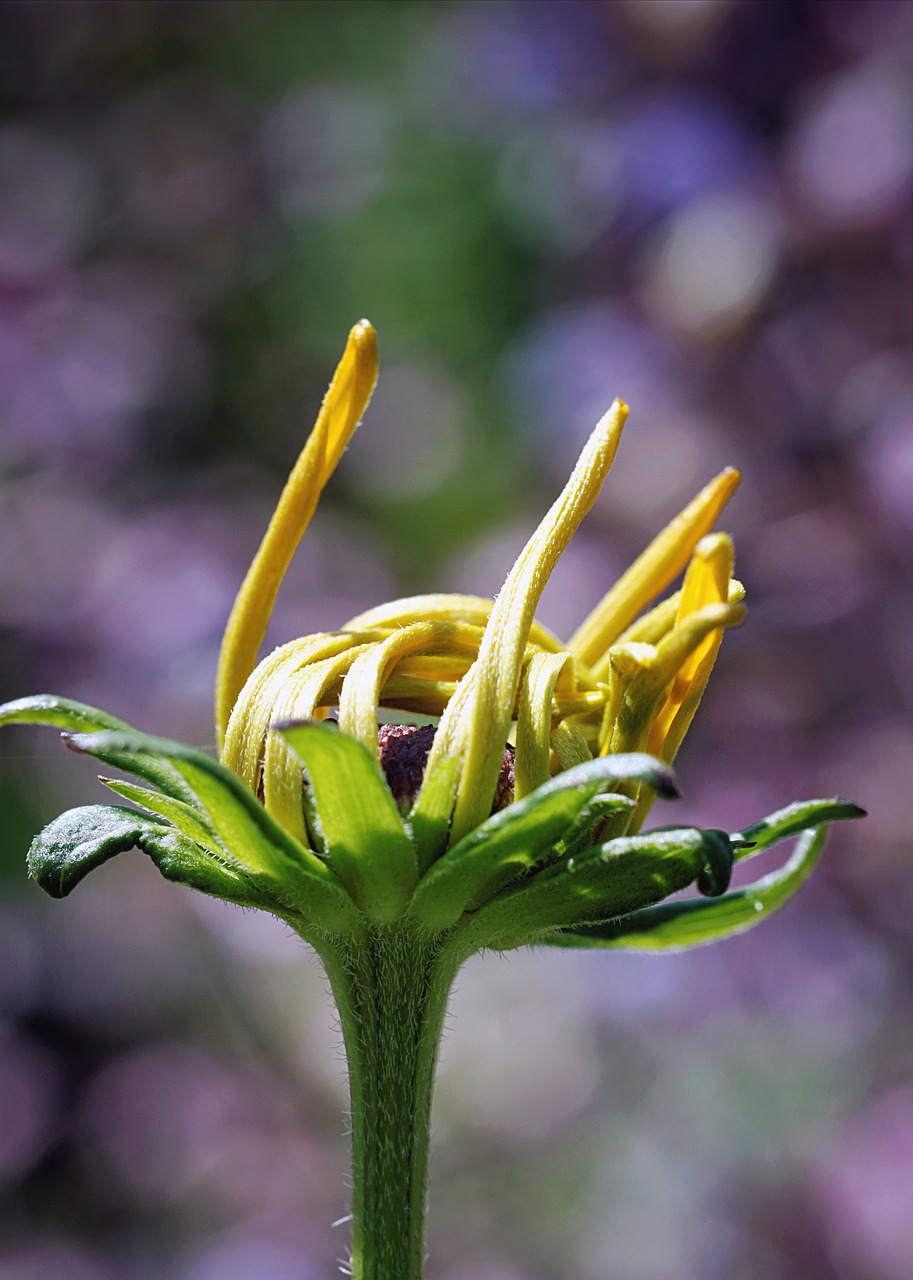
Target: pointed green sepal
<point>253,842</point>
<point>515,839</point>
<point>360,823</point>
<point>79,717</point>
<point>790,821</point>
<point>189,820</point>
<point>676,926</point>
<point>82,839</point>
<point>63,713</point>
<point>603,883</point>
<point>429,820</point>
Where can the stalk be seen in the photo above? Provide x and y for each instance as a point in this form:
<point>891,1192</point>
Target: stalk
<point>391,987</point>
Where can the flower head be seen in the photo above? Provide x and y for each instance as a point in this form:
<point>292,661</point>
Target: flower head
<point>517,816</point>
<point>623,683</point>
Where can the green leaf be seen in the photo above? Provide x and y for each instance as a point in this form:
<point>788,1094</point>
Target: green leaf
<point>515,839</point>
<point>676,926</point>
<point>790,821</point>
<point>605,882</point>
<point>365,836</point>
<point>251,838</point>
<point>82,839</point>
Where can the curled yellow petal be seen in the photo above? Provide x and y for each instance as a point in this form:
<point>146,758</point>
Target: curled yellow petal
<point>340,413</point>
<point>365,680</point>
<point>254,708</point>
<point>707,582</point>
<point>443,607</point>
<point>650,573</point>
<point>642,674</point>
<point>534,719</point>
<point>301,698</point>
<point>475,725</point>
<point>569,744</point>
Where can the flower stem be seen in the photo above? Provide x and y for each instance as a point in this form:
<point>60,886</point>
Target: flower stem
<point>391,988</point>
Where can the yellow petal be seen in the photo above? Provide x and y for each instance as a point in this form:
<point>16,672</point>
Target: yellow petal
<point>708,579</point>
<point>650,573</point>
<point>300,698</point>
<point>475,725</point>
<point>644,673</point>
<point>365,680</point>
<point>534,719</point>
<point>443,607</point>
<point>340,413</point>
<point>707,582</point>
<point>569,744</point>
<point>254,709</point>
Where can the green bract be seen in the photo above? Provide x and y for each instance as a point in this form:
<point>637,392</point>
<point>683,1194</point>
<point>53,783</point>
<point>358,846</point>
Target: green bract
<point>533,872</point>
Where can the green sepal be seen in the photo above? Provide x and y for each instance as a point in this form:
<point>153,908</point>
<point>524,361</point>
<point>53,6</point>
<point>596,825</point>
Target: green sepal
<point>366,841</point>
<point>608,881</point>
<point>676,926</point>
<point>515,839</point>
<point>252,840</point>
<point>589,825</point>
<point>190,821</point>
<point>79,717</point>
<point>790,821</point>
<point>429,820</point>
<point>63,713</point>
<point>82,839</point>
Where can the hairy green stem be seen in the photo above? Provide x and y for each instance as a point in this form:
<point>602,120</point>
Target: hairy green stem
<point>391,988</point>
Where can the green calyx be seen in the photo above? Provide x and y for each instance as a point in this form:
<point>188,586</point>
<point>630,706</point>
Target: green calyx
<point>538,871</point>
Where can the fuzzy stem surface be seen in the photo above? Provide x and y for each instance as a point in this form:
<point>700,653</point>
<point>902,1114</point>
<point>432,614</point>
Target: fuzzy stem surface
<point>391,987</point>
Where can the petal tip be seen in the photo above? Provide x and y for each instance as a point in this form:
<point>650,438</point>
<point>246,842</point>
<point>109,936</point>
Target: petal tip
<point>364,335</point>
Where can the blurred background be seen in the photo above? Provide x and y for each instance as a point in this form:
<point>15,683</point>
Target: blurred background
<point>700,205</point>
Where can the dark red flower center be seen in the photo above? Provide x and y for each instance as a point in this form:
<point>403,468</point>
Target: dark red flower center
<point>404,750</point>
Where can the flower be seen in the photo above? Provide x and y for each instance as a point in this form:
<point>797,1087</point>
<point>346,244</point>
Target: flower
<point>299,818</point>
<point>399,852</point>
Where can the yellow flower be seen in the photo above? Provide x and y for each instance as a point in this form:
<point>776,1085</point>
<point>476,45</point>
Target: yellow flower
<point>300,821</point>
<point>520,818</point>
<point>626,681</point>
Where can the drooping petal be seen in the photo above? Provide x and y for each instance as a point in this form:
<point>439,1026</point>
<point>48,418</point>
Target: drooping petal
<point>706,583</point>
<point>569,744</point>
<point>300,698</point>
<point>340,413</point>
<point>475,724</point>
<point>650,573</point>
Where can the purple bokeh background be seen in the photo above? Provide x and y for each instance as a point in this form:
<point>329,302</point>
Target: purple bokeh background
<point>700,205</point>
